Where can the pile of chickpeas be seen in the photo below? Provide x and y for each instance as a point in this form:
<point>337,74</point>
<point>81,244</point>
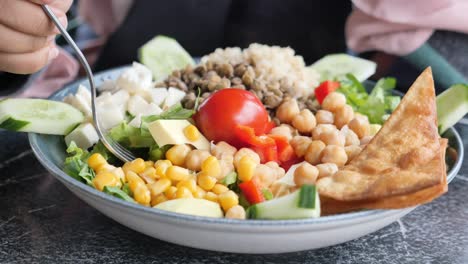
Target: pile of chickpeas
<point>327,140</point>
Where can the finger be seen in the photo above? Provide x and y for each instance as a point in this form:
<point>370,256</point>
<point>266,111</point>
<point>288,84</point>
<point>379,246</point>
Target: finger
<point>41,2</point>
<point>12,41</point>
<point>25,63</point>
<point>62,5</point>
<point>29,18</point>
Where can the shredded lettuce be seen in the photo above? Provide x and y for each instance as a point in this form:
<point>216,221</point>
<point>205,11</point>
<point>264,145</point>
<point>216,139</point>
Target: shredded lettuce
<point>267,194</point>
<point>229,179</point>
<point>376,105</point>
<point>116,192</point>
<point>157,153</point>
<point>76,164</point>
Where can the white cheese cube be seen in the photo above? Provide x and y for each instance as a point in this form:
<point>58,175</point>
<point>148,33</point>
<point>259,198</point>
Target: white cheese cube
<point>85,93</point>
<point>85,136</point>
<point>158,95</point>
<point>174,96</point>
<point>120,98</point>
<point>167,132</point>
<point>138,77</point>
<point>137,105</point>
<point>136,121</point>
<point>152,110</point>
<point>109,116</point>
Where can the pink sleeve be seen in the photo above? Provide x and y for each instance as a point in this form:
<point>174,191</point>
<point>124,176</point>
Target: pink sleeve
<point>399,26</point>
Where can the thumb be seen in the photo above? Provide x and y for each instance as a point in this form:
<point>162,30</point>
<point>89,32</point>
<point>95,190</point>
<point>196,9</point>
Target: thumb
<point>41,2</point>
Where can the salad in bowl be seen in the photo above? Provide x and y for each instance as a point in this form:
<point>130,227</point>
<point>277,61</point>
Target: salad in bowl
<point>252,133</point>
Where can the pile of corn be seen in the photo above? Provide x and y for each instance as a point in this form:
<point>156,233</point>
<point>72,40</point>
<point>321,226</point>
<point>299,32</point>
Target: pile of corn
<point>155,182</point>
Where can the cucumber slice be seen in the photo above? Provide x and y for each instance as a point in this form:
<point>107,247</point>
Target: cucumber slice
<point>162,55</point>
<point>452,105</point>
<point>303,203</point>
<point>39,116</point>
<point>192,206</point>
<point>338,65</point>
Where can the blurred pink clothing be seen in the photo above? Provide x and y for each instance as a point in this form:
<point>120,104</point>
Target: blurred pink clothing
<point>400,27</point>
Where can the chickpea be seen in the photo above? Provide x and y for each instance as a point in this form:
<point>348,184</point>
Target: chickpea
<point>334,137</point>
<point>352,151</point>
<point>320,129</point>
<point>226,164</point>
<point>287,110</point>
<point>314,152</point>
<point>195,158</point>
<point>365,140</point>
<point>305,174</point>
<point>280,172</point>
<point>300,145</point>
<point>350,137</point>
<point>304,122</point>
<point>245,151</point>
<point>324,117</point>
<point>343,115</point>
<point>360,125</point>
<point>334,154</point>
<point>222,148</point>
<point>264,175</point>
<point>334,101</point>
<point>283,130</point>
<point>177,154</point>
<point>236,212</point>
<point>326,169</point>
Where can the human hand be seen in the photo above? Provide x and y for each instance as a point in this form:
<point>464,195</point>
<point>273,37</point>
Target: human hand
<point>27,34</point>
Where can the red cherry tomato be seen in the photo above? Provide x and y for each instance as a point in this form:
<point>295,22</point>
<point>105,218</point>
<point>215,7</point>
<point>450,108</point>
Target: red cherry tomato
<point>220,114</point>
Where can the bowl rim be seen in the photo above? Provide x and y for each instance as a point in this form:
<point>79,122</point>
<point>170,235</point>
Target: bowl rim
<point>171,216</point>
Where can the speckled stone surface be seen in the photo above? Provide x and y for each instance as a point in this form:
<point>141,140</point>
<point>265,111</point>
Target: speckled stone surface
<point>42,222</point>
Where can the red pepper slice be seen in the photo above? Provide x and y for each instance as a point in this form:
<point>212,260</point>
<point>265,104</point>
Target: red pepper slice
<point>247,134</point>
<point>324,89</point>
<point>252,192</point>
<point>285,150</point>
<point>266,154</point>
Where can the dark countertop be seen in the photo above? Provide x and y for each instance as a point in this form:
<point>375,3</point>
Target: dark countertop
<point>41,221</point>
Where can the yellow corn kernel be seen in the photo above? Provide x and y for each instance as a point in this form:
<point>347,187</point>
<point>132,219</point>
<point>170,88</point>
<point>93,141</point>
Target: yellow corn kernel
<point>106,179</point>
<point>191,133</point>
<point>142,195</point>
<point>149,175</point>
<point>155,200</point>
<point>177,154</point>
<point>96,160</point>
<point>159,187</point>
<point>199,193</point>
<point>211,166</point>
<point>205,181</point>
<point>104,168</point>
<point>246,168</point>
<point>183,192</point>
<point>190,184</point>
<point>177,173</point>
<point>228,200</point>
<point>149,163</point>
<point>134,180</point>
<point>161,167</point>
<point>137,166</point>
<point>171,192</point>
<point>211,196</point>
<point>219,189</point>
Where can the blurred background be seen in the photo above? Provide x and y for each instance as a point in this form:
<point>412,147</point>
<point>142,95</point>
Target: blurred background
<point>312,28</point>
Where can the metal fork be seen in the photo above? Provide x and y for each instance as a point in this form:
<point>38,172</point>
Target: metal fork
<point>114,147</point>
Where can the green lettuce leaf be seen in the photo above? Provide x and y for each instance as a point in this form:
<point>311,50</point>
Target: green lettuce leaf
<point>116,192</point>
<point>76,164</point>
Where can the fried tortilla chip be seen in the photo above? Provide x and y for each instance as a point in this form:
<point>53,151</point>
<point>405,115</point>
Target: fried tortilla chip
<point>330,206</point>
<point>404,157</point>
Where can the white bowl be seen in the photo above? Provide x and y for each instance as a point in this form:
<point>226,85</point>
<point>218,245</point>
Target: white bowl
<point>228,235</point>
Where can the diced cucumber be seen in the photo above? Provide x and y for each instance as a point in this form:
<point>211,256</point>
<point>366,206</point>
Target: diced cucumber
<point>39,116</point>
<point>303,203</point>
<point>452,105</point>
<point>338,65</point>
<point>163,55</point>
